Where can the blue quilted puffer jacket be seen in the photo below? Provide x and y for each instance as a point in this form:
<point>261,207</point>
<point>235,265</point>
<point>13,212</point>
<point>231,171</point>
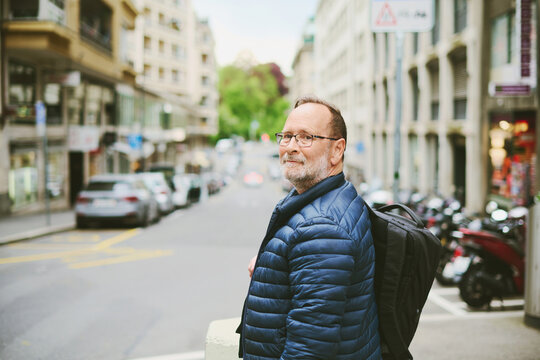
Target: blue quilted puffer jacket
<point>311,295</point>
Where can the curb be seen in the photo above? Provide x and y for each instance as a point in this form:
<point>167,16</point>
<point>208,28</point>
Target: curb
<point>32,234</point>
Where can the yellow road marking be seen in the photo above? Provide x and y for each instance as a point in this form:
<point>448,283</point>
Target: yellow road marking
<point>138,255</point>
<point>116,239</point>
<point>55,255</point>
<point>47,246</point>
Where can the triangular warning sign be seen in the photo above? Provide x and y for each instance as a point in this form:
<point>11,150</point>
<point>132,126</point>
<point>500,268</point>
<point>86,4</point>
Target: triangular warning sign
<point>386,16</point>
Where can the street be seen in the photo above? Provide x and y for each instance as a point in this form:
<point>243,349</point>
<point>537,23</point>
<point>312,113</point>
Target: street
<point>147,292</point>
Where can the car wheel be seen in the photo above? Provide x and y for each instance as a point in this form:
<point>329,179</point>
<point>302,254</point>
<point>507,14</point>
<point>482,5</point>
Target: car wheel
<point>80,224</point>
<point>145,221</point>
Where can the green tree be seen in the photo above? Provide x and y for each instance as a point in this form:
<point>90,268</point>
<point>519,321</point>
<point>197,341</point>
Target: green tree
<point>247,96</point>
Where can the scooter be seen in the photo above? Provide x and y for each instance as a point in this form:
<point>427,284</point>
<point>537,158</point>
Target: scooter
<point>496,265</point>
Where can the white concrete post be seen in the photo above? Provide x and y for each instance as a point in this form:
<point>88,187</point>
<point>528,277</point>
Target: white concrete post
<point>222,340</point>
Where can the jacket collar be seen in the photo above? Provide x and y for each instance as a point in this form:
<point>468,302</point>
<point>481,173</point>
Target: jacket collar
<point>294,202</point>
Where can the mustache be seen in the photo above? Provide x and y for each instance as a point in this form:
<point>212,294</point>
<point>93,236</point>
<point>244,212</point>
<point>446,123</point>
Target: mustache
<point>298,158</point>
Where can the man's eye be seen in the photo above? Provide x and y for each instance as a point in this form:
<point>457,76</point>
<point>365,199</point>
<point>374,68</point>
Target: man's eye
<point>287,136</point>
<point>306,137</point>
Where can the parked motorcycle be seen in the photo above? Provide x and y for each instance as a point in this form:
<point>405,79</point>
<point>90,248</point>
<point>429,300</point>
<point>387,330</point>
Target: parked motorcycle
<point>496,258</point>
<point>445,227</point>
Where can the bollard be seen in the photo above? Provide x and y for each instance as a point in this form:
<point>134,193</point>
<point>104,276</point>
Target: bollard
<point>532,263</point>
<point>222,340</point>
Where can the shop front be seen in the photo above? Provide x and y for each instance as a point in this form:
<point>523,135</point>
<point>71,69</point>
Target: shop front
<point>512,156</point>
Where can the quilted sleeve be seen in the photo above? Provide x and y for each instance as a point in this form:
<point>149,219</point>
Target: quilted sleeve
<point>321,261</point>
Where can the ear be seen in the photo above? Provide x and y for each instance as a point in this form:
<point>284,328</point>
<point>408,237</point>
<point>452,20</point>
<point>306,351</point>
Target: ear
<point>338,149</point>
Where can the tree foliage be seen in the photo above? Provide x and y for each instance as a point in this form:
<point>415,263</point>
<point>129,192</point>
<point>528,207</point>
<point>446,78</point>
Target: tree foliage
<point>247,97</point>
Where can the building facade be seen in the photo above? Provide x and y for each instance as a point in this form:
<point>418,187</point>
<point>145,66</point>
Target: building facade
<point>116,98</point>
<point>303,66</point>
<point>174,57</point>
<point>469,105</point>
<point>67,57</point>
<point>343,74</point>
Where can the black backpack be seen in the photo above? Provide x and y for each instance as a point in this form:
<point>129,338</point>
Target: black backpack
<point>406,257</point>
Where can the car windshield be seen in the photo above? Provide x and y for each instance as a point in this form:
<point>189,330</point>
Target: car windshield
<point>108,186</point>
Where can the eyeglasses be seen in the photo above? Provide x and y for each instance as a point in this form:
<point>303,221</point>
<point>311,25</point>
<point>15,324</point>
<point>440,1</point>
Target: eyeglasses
<point>302,139</point>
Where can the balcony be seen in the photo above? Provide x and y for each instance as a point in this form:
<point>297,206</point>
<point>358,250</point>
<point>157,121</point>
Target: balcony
<point>38,10</point>
<point>95,24</point>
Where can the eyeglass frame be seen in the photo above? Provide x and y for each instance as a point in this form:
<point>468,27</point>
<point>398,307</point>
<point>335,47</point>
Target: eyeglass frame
<point>281,134</point>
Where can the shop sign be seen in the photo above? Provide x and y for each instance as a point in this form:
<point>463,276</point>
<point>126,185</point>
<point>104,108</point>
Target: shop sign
<point>509,89</point>
<point>83,138</point>
<point>71,78</point>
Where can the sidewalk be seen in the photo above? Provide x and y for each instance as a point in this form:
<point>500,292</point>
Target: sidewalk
<point>481,336</point>
<point>22,227</point>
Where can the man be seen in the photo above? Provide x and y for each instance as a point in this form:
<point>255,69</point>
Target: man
<point>311,294</point>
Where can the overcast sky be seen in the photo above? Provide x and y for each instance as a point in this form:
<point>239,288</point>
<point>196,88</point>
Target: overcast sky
<point>270,29</point>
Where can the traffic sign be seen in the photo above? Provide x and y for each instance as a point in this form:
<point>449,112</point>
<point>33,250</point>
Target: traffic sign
<point>135,141</point>
<point>401,15</point>
<point>41,117</point>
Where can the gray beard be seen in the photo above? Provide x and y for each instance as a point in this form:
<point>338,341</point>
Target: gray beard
<point>307,176</point>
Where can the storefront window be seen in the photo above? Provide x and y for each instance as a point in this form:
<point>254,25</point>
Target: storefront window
<point>23,177</point>
<point>513,157</point>
<point>55,172</point>
<point>74,101</point>
<point>53,101</point>
<point>93,105</point>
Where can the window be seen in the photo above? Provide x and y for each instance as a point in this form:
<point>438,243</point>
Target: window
<point>174,76</point>
<point>386,103</point>
<point>161,74</point>
<point>147,16</point>
<point>53,101</point>
<point>204,58</point>
<point>147,43</point>
<point>205,80</point>
<point>460,109</point>
<point>22,84</point>
<point>147,70</point>
<point>435,110</point>
<point>460,15</point>
<point>415,93</point>
<point>503,38</point>
<point>435,32</point>
<point>460,89</point>
<point>162,19</point>
<point>415,43</point>
<point>96,23</point>
<point>175,51</point>
<point>386,50</point>
<point>161,46</point>
<point>53,10</point>
<point>204,101</point>
<point>434,89</point>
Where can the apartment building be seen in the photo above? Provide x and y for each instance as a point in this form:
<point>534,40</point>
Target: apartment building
<point>303,66</point>
<point>343,74</point>
<point>469,110</point>
<point>174,57</point>
<point>66,55</point>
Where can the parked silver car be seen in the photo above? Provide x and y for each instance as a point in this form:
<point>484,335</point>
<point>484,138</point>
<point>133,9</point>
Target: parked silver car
<point>162,192</point>
<point>115,198</point>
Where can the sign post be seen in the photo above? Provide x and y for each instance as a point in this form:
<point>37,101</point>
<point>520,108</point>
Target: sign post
<point>41,128</point>
<point>399,16</point>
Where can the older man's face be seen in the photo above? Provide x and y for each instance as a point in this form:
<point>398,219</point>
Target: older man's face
<point>306,166</point>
